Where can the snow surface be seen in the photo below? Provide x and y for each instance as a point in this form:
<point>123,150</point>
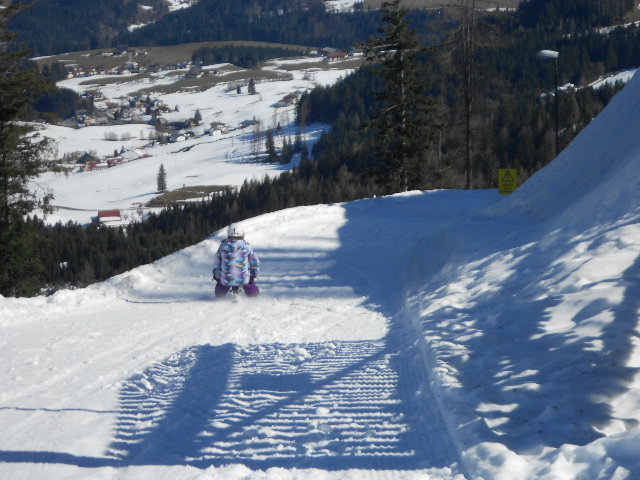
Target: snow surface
<point>173,5</point>
<point>431,335</point>
<point>180,4</point>
<point>338,6</point>
<point>623,77</point>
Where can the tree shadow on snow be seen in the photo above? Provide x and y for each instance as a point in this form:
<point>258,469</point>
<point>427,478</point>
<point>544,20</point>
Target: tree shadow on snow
<point>329,405</point>
<point>531,386</point>
<point>332,405</point>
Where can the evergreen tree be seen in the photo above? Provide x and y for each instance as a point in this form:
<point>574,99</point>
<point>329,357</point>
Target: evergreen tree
<point>252,86</point>
<point>287,151</point>
<point>402,124</point>
<point>21,159</point>
<point>162,179</point>
<point>197,118</point>
<point>297,145</point>
<point>270,145</point>
<point>304,152</point>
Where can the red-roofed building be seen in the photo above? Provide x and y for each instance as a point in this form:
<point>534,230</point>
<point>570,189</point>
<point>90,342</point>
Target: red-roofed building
<point>337,56</point>
<point>102,214</point>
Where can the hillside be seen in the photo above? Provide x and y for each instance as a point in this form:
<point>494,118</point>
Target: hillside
<point>49,29</point>
<point>427,4</point>
<point>444,334</point>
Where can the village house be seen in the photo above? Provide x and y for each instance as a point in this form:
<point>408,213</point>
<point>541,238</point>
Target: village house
<point>137,102</point>
<point>217,128</point>
<point>77,71</point>
<point>130,155</point>
<point>93,94</point>
<point>333,56</point>
<point>287,100</point>
<point>120,50</point>
<point>87,158</point>
<point>194,72</point>
<point>177,137</point>
<point>248,123</point>
<point>96,165</point>
<point>83,119</point>
<point>105,217</point>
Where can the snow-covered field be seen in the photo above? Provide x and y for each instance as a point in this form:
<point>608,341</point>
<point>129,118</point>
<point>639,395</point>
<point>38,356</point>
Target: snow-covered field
<point>622,77</point>
<point>226,159</point>
<point>435,335</point>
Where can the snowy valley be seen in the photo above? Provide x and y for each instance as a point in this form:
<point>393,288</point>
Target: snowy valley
<point>224,148</point>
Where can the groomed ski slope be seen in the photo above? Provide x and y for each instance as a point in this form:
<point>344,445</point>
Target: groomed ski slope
<point>144,376</point>
<point>436,335</point>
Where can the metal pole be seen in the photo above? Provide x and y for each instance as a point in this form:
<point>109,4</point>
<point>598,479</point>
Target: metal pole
<point>557,100</point>
<point>552,54</point>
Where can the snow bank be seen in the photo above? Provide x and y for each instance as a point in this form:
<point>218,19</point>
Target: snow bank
<point>529,310</point>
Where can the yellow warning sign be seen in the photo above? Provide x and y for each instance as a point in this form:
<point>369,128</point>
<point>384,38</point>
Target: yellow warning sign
<point>507,180</point>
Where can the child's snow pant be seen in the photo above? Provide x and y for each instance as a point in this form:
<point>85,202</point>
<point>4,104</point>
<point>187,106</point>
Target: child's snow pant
<point>250,290</point>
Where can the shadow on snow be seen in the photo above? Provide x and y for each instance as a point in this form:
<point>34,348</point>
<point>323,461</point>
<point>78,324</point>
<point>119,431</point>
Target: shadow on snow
<point>530,386</point>
<point>331,405</point>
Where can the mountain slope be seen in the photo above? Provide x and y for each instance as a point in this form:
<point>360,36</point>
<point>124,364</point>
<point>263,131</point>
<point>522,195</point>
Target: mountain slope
<point>445,334</point>
<point>49,27</point>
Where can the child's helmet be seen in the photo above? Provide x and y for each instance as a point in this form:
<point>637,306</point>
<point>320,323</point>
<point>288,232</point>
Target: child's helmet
<point>235,231</point>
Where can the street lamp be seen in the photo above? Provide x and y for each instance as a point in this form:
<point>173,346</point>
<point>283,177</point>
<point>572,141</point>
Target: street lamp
<point>553,55</point>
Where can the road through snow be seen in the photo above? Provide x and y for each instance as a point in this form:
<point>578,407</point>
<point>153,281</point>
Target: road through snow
<point>144,376</point>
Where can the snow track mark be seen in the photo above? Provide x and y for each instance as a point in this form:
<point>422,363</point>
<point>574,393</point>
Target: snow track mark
<point>331,405</point>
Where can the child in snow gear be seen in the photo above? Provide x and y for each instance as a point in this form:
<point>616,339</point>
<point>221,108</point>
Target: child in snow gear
<point>235,265</point>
